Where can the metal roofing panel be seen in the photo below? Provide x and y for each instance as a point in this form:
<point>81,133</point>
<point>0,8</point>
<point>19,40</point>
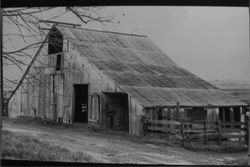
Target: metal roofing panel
<point>144,71</point>
<point>152,96</point>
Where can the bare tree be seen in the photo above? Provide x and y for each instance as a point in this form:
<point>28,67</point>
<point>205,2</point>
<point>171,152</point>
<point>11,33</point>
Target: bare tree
<point>22,34</point>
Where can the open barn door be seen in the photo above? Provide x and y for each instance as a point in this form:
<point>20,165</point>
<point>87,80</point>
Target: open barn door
<point>80,106</point>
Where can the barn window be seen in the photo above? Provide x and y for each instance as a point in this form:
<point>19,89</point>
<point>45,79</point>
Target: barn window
<point>56,46</point>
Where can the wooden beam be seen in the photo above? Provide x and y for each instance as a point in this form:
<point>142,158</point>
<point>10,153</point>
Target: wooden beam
<point>178,109</point>
<point>60,23</point>
<point>47,29</point>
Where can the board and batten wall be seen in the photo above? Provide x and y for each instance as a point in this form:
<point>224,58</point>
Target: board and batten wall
<point>35,97</point>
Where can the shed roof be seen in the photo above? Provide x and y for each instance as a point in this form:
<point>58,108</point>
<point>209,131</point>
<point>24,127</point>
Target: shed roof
<point>141,69</point>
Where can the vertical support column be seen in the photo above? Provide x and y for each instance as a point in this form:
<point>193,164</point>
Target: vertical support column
<point>130,116</point>
<point>178,109</point>
<point>231,116</point>
<point>205,133</point>
<point>248,108</point>
<point>1,80</point>
<point>219,132</point>
<point>182,133</point>
<point>223,116</point>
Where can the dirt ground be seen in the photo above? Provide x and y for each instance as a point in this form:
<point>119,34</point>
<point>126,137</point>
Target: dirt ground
<point>110,148</point>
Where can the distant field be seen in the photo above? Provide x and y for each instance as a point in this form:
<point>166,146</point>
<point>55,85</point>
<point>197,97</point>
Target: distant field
<point>17,146</point>
<point>238,88</point>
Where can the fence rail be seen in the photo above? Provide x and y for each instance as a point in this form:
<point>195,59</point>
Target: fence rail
<point>189,130</point>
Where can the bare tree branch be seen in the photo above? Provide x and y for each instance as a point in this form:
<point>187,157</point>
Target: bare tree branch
<point>25,22</point>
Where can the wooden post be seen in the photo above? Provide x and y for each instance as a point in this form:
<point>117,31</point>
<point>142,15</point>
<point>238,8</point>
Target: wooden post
<point>219,132</point>
<point>1,80</point>
<point>205,134</point>
<point>223,115</point>
<point>248,137</point>
<point>178,109</point>
<point>182,134</point>
<point>145,126</point>
<point>231,116</point>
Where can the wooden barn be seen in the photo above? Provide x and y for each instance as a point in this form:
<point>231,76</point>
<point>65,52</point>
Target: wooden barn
<point>114,80</point>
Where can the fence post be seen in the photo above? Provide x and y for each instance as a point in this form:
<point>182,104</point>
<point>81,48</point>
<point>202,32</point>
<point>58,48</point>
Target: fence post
<point>145,127</point>
<point>205,135</point>
<point>219,132</point>
<point>182,134</point>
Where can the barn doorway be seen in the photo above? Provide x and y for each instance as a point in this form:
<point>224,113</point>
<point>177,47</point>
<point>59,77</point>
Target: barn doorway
<point>230,114</point>
<point>117,111</point>
<point>80,103</point>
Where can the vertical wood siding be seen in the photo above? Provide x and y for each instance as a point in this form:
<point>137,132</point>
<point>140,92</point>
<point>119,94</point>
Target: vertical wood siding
<point>37,94</point>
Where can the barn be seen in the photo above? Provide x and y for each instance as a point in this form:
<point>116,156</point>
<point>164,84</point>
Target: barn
<point>114,80</point>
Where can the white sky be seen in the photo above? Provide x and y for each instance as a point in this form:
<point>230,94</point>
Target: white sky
<point>211,42</point>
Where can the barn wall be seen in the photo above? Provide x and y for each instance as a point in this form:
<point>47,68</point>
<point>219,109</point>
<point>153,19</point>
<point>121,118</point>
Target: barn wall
<point>136,112</point>
<point>212,114</point>
<point>79,71</point>
<point>37,97</point>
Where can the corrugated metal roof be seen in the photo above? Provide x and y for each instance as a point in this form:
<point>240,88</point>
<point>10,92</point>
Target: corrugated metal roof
<point>155,96</point>
<point>144,71</point>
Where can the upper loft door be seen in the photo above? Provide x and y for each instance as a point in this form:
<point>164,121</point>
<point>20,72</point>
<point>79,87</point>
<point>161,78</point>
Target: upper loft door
<point>80,103</point>
<point>55,45</point>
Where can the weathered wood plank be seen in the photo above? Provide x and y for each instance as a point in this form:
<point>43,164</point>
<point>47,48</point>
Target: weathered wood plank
<point>164,122</point>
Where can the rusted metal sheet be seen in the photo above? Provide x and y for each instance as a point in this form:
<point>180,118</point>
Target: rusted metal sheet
<point>136,61</point>
<point>154,96</point>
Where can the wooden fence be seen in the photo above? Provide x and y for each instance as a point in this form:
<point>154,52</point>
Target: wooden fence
<point>192,131</point>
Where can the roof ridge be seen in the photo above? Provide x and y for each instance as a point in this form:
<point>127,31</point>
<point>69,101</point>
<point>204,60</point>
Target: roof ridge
<point>112,32</point>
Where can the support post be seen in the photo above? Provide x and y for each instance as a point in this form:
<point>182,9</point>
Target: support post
<point>231,117</point>
<point>178,110</point>
<point>204,132</point>
<point>219,132</point>
<point>248,130</point>
<point>223,115</point>
<point>182,133</point>
<point>1,80</point>
<point>248,107</point>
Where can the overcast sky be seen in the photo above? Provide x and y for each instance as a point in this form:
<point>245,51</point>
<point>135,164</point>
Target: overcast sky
<point>211,42</point>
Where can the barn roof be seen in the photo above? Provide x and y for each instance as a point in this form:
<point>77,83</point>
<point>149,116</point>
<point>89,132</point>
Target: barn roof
<point>145,72</point>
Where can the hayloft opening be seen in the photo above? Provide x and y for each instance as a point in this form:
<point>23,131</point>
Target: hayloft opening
<point>55,45</point>
<point>80,103</point>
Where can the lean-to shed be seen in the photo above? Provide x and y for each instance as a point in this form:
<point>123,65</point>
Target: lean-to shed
<point>112,79</point>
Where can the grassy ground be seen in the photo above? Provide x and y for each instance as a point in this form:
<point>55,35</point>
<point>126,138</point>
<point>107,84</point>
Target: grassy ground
<point>225,147</point>
<point>95,130</point>
<point>240,161</point>
<point>160,140</point>
<point>156,139</point>
<point>17,146</point>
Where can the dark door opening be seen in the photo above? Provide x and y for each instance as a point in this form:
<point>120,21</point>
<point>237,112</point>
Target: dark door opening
<point>116,108</point>
<point>225,115</point>
<point>55,42</point>
<point>81,103</point>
